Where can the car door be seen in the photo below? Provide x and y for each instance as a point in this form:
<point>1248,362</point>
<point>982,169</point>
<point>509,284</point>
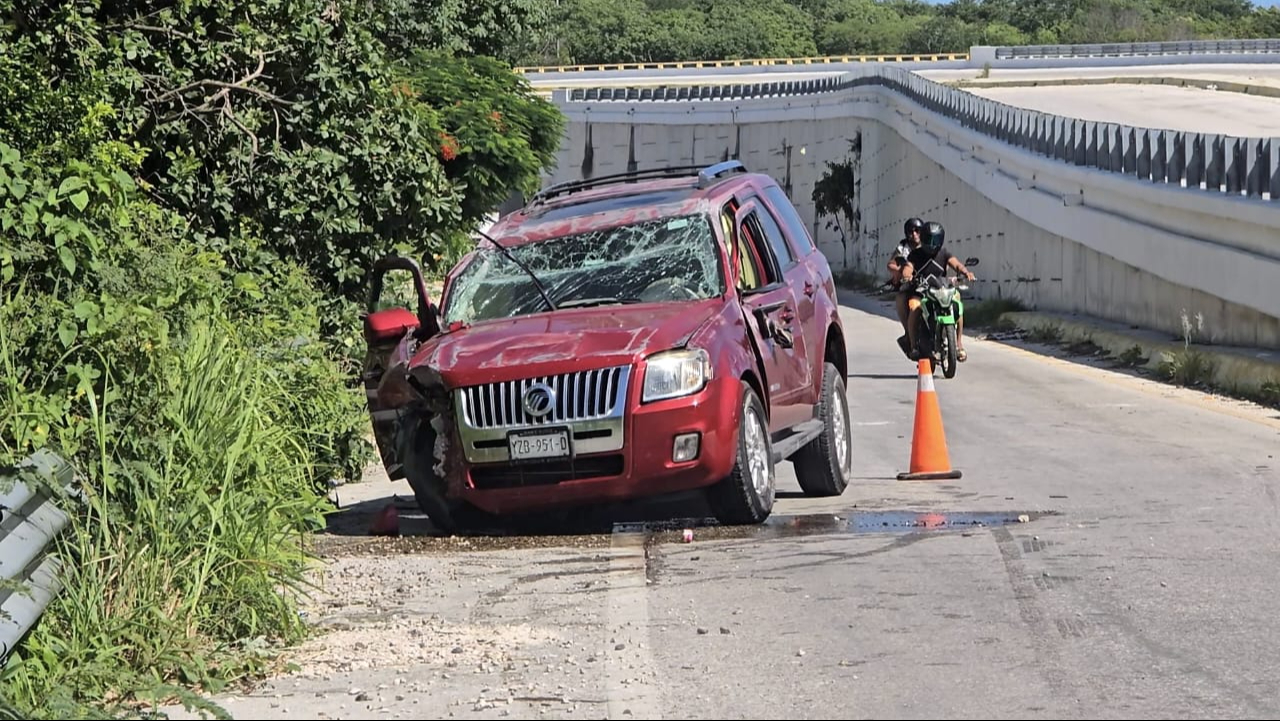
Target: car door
<point>771,305</point>
<point>392,334</point>
<point>798,275</point>
<point>810,277</point>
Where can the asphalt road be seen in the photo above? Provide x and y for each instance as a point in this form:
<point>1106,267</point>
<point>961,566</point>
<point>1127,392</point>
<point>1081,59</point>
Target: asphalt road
<point>1191,110</point>
<point>1139,586</point>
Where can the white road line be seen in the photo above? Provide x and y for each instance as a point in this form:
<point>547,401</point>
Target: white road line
<point>630,681</point>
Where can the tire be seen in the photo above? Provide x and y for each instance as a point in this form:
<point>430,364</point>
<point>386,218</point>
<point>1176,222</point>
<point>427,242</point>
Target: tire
<point>737,500</point>
<point>823,466</point>
<point>950,362</point>
<point>415,446</point>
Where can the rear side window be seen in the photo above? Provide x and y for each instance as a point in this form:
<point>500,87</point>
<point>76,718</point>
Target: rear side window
<point>786,213</point>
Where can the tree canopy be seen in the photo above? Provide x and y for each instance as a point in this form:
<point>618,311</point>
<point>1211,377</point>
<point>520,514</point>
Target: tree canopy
<point>614,31</point>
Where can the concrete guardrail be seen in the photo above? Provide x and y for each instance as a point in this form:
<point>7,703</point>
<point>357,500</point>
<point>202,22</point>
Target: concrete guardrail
<point>1210,162</point>
<point>29,522</point>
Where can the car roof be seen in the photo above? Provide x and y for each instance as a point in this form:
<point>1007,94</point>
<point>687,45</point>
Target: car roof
<point>594,203</point>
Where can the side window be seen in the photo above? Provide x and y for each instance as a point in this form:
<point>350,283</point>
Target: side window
<point>790,218</point>
<point>777,241</point>
<point>750,275</point>
<point>753,246</point>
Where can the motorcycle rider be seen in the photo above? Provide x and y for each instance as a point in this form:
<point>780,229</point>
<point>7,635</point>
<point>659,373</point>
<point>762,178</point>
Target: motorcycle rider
<point>931,259</point>
<point>911,232</point>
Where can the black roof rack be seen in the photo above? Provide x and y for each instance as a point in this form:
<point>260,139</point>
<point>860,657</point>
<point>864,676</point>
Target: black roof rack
<point>705,175</point>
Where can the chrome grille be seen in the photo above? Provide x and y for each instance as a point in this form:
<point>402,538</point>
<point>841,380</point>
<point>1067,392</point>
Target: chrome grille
<point>579,396</point>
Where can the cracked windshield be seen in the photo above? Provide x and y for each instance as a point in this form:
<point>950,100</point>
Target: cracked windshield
<point>654,261</point>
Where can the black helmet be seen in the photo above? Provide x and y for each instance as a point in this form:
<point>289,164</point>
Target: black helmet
<point>913,224</point>
<point>933,235</point>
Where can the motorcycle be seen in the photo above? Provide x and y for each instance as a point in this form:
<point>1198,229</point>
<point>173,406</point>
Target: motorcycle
<point>937,329</point>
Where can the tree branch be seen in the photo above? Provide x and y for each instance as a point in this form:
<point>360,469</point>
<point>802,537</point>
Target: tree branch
<point>231,115</point>
<point>240,85</point>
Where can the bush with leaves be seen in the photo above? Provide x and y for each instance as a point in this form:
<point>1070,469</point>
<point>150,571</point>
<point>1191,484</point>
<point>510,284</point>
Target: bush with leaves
<point>290,118</point>
<point>198,405</point>
<point>190,199</point>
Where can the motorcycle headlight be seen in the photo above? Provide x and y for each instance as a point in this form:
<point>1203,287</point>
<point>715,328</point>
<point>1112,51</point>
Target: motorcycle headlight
<point>676,373</point>
<point>944,295</point>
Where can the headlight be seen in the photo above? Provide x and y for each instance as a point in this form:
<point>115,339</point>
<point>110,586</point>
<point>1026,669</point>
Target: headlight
<point>944,295</point>
<point>676,373</point>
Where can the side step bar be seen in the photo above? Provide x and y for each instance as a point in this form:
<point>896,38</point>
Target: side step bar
<point>799,437</point>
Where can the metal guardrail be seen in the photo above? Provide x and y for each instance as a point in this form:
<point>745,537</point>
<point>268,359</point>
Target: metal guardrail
<point>1003,52</point>
<point>728,91</point>
<point>746,63</point>
<point>29,522</point>
<point>1211,162</point>
<point>1103,50</point>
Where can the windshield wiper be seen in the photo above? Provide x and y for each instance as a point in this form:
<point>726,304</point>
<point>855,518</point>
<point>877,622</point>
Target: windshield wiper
<point>511,257</point>
<point>584,302</point>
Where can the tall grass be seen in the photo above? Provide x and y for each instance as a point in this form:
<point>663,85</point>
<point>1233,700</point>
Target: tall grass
<point>186,552</point>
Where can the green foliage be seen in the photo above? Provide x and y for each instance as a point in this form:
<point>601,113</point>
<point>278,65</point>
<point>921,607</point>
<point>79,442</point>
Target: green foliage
<point>490,28</point>
<point>190,541</point>
<point>837,194</point>
<point>594,31</point>
<point>191,195</point>
<point>495,134</point>
<point>199,425</point>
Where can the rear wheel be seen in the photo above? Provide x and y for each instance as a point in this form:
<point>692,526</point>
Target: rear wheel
<point>746,496</point>
<point>823,465</point>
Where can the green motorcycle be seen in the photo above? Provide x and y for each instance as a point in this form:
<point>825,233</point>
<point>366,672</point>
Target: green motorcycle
<point>937,328</point>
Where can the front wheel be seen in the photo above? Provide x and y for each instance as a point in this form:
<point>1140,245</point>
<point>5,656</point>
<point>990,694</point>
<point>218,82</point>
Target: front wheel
<point>950,352</point>
<point>746,495</point>
<point>416,447</point>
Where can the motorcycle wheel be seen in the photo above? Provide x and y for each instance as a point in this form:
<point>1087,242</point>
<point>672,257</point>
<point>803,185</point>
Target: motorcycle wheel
<point>950,362</point>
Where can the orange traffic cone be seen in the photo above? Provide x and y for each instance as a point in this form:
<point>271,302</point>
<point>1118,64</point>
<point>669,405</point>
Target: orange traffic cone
<point>929,458</point>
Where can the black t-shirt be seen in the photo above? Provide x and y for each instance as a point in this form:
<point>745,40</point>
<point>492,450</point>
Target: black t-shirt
<point>924,262</point>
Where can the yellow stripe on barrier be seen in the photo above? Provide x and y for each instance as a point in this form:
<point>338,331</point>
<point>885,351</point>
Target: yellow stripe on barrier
<point>752,62</point>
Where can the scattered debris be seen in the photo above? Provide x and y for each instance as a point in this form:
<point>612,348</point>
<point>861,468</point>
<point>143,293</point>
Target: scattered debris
<point>387,522</point>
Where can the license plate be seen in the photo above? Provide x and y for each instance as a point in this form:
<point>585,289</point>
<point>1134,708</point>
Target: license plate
<point>538,444</point>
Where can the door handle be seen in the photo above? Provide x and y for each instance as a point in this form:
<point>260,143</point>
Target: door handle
<point>783,337</point>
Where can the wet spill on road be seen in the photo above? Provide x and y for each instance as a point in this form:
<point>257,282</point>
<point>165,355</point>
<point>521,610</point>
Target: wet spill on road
<point>780,526</point>
<point>706,529</point>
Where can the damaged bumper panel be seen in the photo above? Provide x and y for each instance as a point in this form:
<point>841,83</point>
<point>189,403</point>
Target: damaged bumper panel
<point>544,418</point>
<point>568,439</point>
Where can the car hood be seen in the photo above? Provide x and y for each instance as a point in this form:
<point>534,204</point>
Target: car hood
<point>560,341</point>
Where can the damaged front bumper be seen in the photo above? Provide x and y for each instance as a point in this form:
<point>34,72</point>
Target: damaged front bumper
<point>532,418</point>
<point>556,441</point>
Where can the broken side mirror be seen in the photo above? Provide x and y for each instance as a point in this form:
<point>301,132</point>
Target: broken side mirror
<point>387,326</point>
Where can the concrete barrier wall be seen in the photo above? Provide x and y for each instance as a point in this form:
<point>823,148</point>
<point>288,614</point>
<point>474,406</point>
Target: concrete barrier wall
<point>1054,234</point>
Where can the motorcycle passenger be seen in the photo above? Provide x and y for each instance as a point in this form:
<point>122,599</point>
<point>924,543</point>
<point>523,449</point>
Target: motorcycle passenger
<point>931,259</point>
<point>911,231</point>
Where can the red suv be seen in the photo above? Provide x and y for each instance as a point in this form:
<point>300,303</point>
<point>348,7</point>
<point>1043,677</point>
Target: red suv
<point>618,337</point>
